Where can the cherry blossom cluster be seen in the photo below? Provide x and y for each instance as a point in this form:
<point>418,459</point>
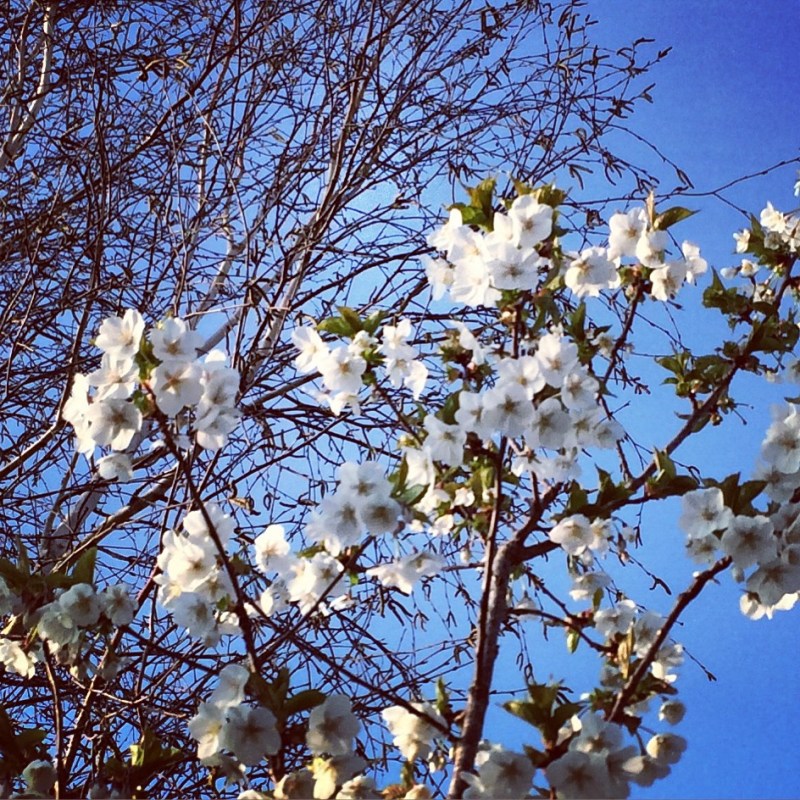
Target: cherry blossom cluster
<point>779,230</point>
<point>521,252</point>
<point>413,733</point>
<point>226,723</point>
<point>499,773</point>
<point>106,407</point>
<point>776,234</point>
<point>193,580</point>
<point>332,728</point>
<point>598,764</point>
<point>232,735</point>
<point>13,656</point>
<point>635,236</point>
<point>343,367</point>
<point>764,548</point>
<point>294,578</point>
<point>66,624</point>
<point>361,506</point>
<point>546,397</point>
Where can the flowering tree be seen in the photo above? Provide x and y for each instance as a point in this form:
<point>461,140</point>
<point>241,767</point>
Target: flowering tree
<point>288,462</point>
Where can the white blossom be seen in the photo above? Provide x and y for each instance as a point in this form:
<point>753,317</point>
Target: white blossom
<point>531,221</point>
<point>116,378</point>
<point>174,340</point>
<point>117,604</point>
<point>206,728</point>
<point>119,337</point>
<point>176,384</point>
<point>15,659</point>
<point>342,371</point>
<point>230,689</point>
<point>412,732</point>
<point>704,511</point>
<point>250,733</point>
<point>40,777</point>
<point>271,550</point>
<point>116,466</point>
<point>672,711</point>
<point>749,541</point>
<point>332,727</point>
<point>591,272</point>
<point>113,422</point>
<point>405,572</point>
<point>444,442</point>
<point>625,231</point>
<point>313,350</point>
<point>82,604</point>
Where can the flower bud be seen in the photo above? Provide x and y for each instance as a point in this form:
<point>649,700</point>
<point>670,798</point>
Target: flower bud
<point>672,712</point>
<point>666,748</point>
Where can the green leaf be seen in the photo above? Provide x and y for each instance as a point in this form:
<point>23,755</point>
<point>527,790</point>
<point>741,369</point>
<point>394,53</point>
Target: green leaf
<point>84,569</point>
<point>311,551</point>
<point>550,196</point>
<point>373,322</point>
<point>483,481</point>
<point>398,478</point>
<point>481,197</point>
<point>610,493</point>
<point>679,485</point>
<point>728,301</point>
<point>471,216</point>
<point>665,466</point>
<point>442,698</point>
<point>144,750</point>
<point>577,323</point>
<point>676,363</point>
<point>407,774</point>
<point>411,495</point>
<point>447,414</point>
<point>24,559</point>
<point>15,578</point>
<point>31,738</point>
<point>303,701</point>
<point>729,486</point>
<point>335,325</point>
<point>553,280</point>
<point>563,713</point>
<point>624,653</point>
<point>738,497</point>
<point>520,187</point>
<point>141,401</point>
<point>578,499</point>
<point>536,757</point>
<point>748,492</point>
<point>8,739</point>
<point>271,694</point>
<point>671,216</point>
<point>58,580</point>
<point>149,757</point>
<point>529,712</point>
<point>352,318</point>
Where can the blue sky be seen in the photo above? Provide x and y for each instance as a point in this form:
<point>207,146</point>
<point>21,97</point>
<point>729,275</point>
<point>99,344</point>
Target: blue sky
<point>723,107</point>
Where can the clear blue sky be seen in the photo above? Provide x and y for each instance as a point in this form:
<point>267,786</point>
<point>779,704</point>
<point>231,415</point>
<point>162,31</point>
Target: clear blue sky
<point>724,106</point>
